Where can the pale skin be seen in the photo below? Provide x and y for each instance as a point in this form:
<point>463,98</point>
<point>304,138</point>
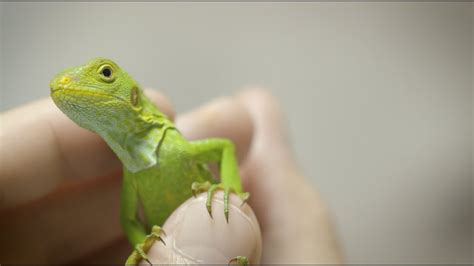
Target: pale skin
<point>272,175</point>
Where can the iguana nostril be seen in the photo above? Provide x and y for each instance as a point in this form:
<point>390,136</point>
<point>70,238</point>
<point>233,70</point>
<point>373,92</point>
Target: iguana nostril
<point>65,80</point>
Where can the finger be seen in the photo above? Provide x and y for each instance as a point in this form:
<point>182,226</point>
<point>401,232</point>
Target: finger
<point>271,135</point>
<point>190,226</point>
<point>116,252</point>
<point>271,158</point>
<point>271,170</point>
<point>280,191</point>
<point>270,161</point>
<point>224,117</point>
<point>67,224</point>
<point>40,146</point>
<point>162,102</point>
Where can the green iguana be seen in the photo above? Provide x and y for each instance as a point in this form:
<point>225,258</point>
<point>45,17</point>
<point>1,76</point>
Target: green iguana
<point>161,168</point>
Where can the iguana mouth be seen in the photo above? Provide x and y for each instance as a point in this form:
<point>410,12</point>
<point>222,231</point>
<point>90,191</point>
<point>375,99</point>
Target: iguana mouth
<point>75,92</point>
<point>85,92</point>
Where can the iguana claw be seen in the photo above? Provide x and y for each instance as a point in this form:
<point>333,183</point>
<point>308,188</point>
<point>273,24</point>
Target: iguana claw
<point>139,253</point>
<point>245,197</point>
<point>163,231</point>
<point>211,189</point>
<point>198,187</point>
<point>210,195</point>
<point>241,260</point>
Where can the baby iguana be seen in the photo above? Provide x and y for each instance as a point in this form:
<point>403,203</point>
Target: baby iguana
<point>161,168</point>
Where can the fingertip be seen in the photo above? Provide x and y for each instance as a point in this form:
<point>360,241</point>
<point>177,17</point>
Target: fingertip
<point>260,97</point>
<point>263,106</point>
<point>255,90</point>
<point>267,116</point>
<point>162,101</point>
<point>193,236</point>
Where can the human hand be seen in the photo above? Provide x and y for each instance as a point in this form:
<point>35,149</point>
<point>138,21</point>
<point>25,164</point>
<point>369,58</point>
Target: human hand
<point>295,222</point>
<point>55,219</point>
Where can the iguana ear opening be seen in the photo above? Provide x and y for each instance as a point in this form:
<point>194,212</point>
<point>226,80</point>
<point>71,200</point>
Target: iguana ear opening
<point>134,97</point>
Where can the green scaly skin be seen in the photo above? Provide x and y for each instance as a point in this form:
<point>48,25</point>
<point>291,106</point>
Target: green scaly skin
<point>161,168</point>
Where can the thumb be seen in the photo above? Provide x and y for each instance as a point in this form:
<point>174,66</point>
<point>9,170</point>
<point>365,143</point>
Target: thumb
<point>192,236</point>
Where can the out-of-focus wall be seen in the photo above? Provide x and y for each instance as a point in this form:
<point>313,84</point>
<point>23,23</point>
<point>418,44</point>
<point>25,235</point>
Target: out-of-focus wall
<point>1,58</point>
<point>377,96</point>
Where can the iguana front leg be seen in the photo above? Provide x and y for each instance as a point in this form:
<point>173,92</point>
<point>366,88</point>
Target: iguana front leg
<point>221,151</point>
<point>133,228</point>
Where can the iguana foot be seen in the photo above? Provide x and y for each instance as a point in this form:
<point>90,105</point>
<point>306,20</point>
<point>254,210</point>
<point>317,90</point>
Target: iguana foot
<point>240,260</point>
<point>211,188</point>
<point>198,187</point>
<point>141,250</point>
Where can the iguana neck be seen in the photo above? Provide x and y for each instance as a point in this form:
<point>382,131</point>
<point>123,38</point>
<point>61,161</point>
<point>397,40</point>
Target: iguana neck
<point>135,138</point>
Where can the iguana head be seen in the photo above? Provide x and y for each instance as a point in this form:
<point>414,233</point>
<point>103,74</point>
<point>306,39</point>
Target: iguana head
<point>102,97</point>
<point>95,93</point>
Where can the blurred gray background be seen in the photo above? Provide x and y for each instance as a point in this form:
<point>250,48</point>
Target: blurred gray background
<point>378,96</point>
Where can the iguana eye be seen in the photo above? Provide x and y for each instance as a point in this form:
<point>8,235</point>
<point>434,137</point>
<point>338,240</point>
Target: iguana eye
<point>106,73</point>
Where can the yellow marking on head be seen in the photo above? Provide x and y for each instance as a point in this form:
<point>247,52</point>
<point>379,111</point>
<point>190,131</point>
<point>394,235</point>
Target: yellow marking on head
<point>91,93</point>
